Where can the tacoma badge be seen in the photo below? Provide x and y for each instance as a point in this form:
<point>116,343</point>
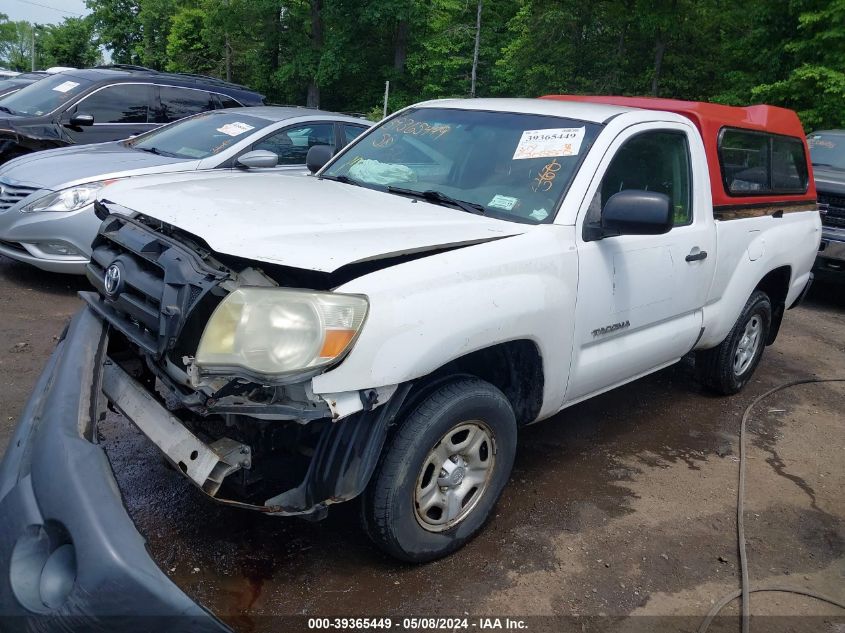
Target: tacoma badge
<point>607,329</point>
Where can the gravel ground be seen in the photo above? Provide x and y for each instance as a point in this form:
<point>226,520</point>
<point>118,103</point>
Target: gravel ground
<point>623,505</point>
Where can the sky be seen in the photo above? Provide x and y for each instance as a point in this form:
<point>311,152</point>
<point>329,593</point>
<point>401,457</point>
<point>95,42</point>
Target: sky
<point>43,11</point>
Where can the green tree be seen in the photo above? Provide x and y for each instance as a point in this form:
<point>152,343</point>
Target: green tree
<point>815,83</point>
<point>118,27</point>
<point>70,43</point>
<point>16,44</point>
<point>155,18</point>
<point>187,47</point>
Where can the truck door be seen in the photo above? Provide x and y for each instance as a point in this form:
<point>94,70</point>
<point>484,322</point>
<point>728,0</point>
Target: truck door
<point>640,297</point>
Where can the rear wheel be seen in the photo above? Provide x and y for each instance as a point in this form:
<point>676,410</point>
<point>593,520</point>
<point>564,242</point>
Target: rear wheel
<point>728,367</point>
<point>442,472</point>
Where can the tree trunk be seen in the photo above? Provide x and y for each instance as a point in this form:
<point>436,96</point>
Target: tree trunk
<point>620,55</point>
<point>475,52</point>
<point>616,73</point>
<point>659,49</point>
<point>228,51</point>
<point>400,46</point>
<point>274,41</point>
<point>313,99</point>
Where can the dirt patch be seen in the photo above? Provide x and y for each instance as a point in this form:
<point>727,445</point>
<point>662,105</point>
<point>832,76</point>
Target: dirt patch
<point>34,308</point>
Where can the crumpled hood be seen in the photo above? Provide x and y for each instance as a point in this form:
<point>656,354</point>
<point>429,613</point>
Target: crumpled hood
<point>61,167</point>
<point>301,221</point>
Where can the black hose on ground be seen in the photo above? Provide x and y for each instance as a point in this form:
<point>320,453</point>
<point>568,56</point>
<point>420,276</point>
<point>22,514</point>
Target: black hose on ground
<point>746,589</point>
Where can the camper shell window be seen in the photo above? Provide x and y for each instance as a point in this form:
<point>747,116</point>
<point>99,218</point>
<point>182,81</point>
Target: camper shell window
<point>758,163</point>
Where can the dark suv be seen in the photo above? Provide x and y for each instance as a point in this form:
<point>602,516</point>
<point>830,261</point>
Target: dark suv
<point>106,104</point>
<point>827,149</point>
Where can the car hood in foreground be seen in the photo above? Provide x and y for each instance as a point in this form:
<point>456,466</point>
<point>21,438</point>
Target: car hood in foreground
<point>300,221</point>
<point>66,166</point>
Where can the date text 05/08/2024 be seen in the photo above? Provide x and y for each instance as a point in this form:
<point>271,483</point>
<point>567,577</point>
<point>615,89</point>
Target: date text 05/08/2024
<point>417,624</point>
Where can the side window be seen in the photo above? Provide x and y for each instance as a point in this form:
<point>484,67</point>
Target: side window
<point>292,144</point>
<point>351,132</point>
<point>745,161</point>
<point>758,163</point>
<point>177,103</point>
<point>789,165</point>
<point>226,102</point>
<point>652,161</point>
<point>121,103</point>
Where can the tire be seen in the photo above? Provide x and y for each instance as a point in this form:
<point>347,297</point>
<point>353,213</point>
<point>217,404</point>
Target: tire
<point>727,368</point>
<point>453,422</point>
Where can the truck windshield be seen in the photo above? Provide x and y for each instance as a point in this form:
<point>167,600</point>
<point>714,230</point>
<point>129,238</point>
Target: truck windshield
<point>827,150</point>
<point>44,96</point>
<point>509,165</point>
<point>199,136</point>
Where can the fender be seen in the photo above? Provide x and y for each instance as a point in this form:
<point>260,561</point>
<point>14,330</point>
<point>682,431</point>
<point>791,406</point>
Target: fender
<point>748,250</point>
<point>428,312</point>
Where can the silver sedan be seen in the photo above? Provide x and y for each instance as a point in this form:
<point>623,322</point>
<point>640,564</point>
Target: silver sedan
<point>46,198</point>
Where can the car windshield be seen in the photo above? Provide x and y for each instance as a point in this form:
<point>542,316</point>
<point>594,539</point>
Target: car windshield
<point>45,95</point>
<point>827,150</point>
<point>509,165</point>
<point>199,136</point>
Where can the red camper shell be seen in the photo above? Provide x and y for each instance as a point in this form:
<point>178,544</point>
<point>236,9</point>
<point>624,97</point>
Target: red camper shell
<point>757,156</point>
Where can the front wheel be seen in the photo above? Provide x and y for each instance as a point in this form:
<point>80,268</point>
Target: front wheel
<point>442,472</point>
<point>728,367</point>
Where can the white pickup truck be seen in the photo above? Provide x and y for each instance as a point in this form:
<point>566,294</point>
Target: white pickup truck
<point>382,329</point>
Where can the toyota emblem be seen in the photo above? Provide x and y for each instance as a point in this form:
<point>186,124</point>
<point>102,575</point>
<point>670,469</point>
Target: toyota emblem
<point>111,280</point>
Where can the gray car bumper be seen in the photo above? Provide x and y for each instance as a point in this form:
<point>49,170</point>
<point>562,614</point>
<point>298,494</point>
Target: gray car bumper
<point>70,556</point>
<point>53,241</point>
<point>830,263</point>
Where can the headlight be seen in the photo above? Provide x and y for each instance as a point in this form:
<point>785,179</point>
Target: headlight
<point>275,331</point>
<point>70,199</point>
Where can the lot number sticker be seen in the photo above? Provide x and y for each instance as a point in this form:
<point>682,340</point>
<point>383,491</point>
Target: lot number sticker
<point>67,85</point>
<point>560,141</point>
<point>235,129</point>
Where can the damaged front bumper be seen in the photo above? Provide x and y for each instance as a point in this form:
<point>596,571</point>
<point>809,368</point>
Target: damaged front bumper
<point>70,555</point>
<point>343,460</point>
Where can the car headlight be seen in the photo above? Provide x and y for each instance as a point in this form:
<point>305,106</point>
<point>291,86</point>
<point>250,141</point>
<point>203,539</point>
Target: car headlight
<point>70,199</point>
<point>277,331</point>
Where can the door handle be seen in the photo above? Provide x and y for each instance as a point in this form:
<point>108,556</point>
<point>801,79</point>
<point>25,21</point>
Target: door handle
<point>695,257</point>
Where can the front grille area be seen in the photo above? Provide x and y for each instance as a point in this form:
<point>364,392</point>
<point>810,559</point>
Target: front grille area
<point>157,284</point>
<point>10,194</point>
<point>835,215</point>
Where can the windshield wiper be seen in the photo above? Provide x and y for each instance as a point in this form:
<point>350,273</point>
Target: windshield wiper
<point>5,109</point>
<point>438,196</point>
<point>157,152</point>
<point>344,179</point>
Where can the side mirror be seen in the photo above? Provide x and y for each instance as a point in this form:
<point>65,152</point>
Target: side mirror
<point>318,156</point>
<point>81,120</point>
<point>633,212</point>
<point>258,158</point>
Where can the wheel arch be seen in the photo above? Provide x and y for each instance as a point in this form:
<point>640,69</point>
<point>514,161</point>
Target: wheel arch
<point>514,367</point>
<point>775,284</point>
